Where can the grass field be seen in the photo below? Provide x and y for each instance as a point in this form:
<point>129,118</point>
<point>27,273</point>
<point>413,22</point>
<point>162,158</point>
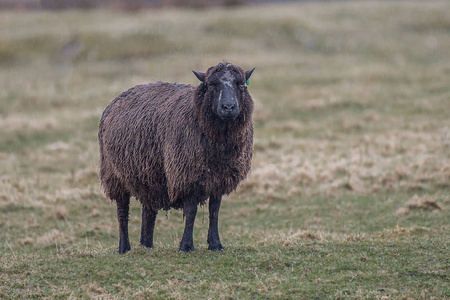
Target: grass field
<point>349,193</point>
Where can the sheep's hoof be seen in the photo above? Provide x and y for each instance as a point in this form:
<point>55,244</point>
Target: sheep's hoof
<point>147,245</point>
<point>217,247</point>
<point>187,248</point>
<point>123,250</point>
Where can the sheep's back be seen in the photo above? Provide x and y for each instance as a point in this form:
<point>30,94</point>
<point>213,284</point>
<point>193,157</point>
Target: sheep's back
<point>133,133</point>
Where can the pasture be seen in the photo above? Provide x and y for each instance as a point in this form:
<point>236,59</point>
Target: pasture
<point>349,193</point>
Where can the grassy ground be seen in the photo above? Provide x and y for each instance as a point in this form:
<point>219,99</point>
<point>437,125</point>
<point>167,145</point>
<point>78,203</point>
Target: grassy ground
<point>349,193</point>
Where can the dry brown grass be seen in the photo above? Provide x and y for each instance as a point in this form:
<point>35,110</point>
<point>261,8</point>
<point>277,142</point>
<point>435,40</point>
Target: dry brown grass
<point>424,203</point>
<point>398,160</point>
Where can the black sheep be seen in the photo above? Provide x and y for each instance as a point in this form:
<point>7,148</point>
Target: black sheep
<point>174,145</point>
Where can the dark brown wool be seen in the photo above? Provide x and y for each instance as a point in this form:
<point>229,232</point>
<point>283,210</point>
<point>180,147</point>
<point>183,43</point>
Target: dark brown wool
<point>163,143</point>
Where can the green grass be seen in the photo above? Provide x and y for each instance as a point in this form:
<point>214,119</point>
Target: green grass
<point>349,192</point>
<point>298,269</point>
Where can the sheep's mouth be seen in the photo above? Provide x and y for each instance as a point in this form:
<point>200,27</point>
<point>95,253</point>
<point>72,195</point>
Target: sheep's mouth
<point>228,117</point>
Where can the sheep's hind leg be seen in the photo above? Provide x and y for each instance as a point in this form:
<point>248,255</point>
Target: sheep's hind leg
<point>190,211</point>
<point>123,209</point>
<point>213,231</point>
<point>148,226</point>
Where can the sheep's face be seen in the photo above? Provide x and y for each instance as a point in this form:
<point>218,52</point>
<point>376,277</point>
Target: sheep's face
<point>225,85</point>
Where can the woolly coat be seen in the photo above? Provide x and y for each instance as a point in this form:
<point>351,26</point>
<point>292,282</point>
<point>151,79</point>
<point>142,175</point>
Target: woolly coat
<point>162,143</point>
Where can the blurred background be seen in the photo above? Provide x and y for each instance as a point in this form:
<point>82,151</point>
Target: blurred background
<point>119,4</point>
<point>352,128</point>
<point>352,98</point>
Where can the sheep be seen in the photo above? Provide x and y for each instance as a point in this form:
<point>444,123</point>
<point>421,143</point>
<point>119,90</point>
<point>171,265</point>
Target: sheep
<point>174,146</point>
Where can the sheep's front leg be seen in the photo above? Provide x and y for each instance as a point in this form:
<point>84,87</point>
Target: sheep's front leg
<point>147,226</point>
<point>123,209</point>
<point>190,211</point>
<point>213,231</point>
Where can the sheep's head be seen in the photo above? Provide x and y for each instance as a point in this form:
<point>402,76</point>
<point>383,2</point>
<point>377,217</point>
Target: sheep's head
<point>225,87</point>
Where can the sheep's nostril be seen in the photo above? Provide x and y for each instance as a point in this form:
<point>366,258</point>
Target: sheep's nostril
<point>228,106</point>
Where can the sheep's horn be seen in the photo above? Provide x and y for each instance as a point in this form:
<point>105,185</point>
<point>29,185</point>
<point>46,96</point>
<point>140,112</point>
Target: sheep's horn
<point>248,74</point>
<point>200,76</point>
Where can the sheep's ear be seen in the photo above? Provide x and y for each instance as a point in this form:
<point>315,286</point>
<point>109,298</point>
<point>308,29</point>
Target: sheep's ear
<point>248,74</point>
<point>200,76</point>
